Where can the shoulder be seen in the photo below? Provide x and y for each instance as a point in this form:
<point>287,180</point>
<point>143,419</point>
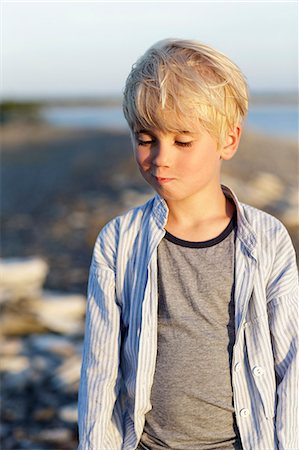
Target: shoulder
<point>276,253</point>
<point>123,227</point>
<point>127,221</point>
<point>273,240</point>
<point>263,224</point>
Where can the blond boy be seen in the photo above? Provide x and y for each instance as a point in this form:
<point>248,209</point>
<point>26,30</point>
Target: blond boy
<point>190,337</point>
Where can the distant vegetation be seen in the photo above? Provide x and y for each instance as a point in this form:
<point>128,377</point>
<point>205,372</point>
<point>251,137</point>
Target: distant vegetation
<point>19,111</point>
<point>29,110</point>
<point>274,98</point>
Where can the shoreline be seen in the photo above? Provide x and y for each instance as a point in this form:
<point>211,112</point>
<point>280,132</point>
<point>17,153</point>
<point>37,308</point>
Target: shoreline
<point>12,134</point>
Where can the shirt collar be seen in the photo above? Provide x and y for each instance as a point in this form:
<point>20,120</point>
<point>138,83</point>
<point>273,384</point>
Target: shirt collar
<point>245,231</point>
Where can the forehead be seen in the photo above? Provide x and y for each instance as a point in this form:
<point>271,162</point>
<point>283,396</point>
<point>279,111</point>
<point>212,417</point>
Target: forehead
<point>158,132</point>
<point>166,121</point>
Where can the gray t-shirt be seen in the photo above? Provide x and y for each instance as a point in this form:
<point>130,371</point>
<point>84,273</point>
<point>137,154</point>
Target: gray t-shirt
<point>191,396</point>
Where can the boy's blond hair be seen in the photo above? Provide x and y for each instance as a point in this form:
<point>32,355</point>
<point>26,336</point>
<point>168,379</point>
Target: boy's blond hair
<point>182,85</point>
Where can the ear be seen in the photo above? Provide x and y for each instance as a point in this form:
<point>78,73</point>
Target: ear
<point>231,144</point>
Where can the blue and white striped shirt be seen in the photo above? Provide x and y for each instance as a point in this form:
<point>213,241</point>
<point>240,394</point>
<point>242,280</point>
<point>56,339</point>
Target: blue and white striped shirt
<point>120,342</point>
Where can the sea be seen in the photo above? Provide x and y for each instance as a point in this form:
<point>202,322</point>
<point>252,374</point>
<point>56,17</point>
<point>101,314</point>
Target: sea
<point>271,120</point>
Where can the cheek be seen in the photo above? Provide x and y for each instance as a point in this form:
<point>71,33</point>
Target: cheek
<point>192,164</point>
<point>142,159</point>
<point>204,162</point>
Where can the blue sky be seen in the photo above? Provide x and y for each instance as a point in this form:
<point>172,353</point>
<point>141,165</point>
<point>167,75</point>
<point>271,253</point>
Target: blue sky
<point>87,48</point>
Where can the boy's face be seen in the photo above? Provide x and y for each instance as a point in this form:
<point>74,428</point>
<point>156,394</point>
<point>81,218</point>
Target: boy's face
<point>179,166</point>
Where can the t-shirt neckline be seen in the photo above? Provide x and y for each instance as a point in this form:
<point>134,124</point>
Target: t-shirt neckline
<point>203,244</point>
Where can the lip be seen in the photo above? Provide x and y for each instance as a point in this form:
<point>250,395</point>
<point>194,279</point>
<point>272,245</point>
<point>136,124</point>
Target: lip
<point>163,180</point>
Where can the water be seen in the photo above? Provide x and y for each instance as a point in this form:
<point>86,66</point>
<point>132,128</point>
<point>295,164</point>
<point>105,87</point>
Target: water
<point>87,117</point>
<point>276,120</point>
<point>270,120</point>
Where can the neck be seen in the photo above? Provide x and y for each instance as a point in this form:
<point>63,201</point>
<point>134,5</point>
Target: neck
<point>199,209</point>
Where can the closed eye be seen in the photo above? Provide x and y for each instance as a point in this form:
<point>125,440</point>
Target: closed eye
<point>183,144</point>
<point>152,141</point>
<point>144,142</point>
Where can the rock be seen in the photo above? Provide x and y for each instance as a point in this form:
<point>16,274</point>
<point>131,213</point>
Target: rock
<point>240,187</point>
<point>60,324</point>
<point>290,217</point>
<point>266,189</point>
<point>41,366</point>
<point>20,323</point>
<point>67,375</point>
<point>131,198</point>
<point>69,413</point>
<point>14,364</point>
<point>60,312</point>
<point>27,444</point>
<point>11,414</point>
<point>261,192</point>
<point>44,414</point>
<point>4,430</point>
<point>19,433</point>
<point>78,219</point>
<point>60,304</point>
<point>21,277</point>
<point>52,343</point>
<point>16,382</point>
<point>54,435</point>
<point>55,311</point>
<point>12,346</point>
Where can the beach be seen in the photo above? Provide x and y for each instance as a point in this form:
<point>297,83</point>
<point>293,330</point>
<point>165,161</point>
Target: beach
<point>59,188</point>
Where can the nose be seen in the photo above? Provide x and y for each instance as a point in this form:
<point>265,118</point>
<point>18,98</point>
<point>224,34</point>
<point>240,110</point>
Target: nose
<point>161,154</point>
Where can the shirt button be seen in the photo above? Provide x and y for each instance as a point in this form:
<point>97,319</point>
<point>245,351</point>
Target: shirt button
<point>244,412</point>
<point>237,367</point>
<point>257,371</point>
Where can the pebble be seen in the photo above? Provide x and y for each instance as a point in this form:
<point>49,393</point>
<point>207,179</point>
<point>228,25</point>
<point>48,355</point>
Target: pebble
<point>17,381</point>
<point>61,304</point>
<point>69,413</point>
<point>131,198</point>
<point>60,312</point>
<point>19,323</point>
<point>21,277</point>
<point>55,435</point>
<point>11,346</point>
<point>44,414</point>
<point>40,370</point>
<point>52,343</point>
<point>68,373</point>
<point>78,219</point>
<point>265,189</point>
<point>14,364</point>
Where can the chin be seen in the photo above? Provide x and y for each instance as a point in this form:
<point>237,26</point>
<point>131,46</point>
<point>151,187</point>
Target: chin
<point>169,196</point>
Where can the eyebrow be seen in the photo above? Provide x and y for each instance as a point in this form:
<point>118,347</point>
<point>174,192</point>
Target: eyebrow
<point>178,132</point>
<point>142,131</point>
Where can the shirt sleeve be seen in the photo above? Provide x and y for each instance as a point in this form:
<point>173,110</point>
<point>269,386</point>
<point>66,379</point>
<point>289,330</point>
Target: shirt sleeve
<point>98,422</point>
<point>282,295</point>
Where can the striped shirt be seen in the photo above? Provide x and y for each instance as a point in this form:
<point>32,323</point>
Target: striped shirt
<point>120,343</point>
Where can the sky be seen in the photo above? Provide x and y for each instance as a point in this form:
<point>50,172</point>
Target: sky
<point>67,48</point>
